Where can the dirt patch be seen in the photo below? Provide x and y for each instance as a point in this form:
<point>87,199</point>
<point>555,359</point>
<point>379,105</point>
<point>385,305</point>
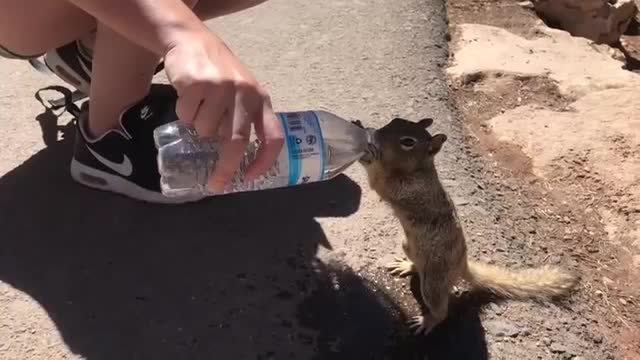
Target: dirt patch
<point>488,95</point>
<point>563,209</point>
<point>501,13</point>
<point>568,213</point>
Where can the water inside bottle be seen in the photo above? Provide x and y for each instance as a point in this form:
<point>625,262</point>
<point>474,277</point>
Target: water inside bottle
<point>185,160</point>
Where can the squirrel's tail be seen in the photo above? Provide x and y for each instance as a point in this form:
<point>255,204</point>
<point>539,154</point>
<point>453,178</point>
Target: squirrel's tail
<point>542,283</point>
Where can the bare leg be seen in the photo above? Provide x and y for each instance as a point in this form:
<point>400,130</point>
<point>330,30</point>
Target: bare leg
<point>121,76</point>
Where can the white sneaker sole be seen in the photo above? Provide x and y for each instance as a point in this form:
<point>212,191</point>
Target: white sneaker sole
<point>101,180</point>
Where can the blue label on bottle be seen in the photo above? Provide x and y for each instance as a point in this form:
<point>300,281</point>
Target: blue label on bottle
<point>304,145</point>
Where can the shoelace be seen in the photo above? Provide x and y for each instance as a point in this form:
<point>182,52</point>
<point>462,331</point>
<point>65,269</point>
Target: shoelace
<point>68,105</point>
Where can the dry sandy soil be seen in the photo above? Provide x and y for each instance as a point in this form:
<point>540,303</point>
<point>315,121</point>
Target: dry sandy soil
<point>558,118</point>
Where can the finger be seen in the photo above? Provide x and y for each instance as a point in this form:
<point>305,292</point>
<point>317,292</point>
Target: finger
<point>235,131</point>
<point>212,111</point>
<point>269,131</point>
<point>188,104</point>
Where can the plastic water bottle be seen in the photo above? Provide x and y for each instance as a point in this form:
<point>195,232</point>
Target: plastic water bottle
<point>318,146</point>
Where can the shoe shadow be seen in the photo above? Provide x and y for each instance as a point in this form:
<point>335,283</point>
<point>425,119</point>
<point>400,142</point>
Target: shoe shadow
<point>226,278</point>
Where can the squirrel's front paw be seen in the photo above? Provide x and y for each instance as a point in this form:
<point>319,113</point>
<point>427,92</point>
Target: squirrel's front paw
<point>375,151</point>
<point>401,267</point>
<point>370,155</point>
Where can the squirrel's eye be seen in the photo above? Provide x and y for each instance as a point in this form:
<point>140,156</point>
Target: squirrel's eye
<point>407,143</point>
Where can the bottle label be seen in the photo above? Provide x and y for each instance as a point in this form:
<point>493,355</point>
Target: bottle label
<point>304,153</point>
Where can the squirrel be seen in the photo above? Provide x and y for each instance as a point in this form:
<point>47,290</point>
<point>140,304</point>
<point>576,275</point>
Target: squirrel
<point>400,168</point>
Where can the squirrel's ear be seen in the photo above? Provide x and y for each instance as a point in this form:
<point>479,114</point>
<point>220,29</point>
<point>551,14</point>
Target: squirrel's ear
<point>426,122</point>
<point>436,143</point>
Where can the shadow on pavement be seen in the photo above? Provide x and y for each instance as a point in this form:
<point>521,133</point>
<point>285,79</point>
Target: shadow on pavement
<point>352,326</point>
<point>228,278</point>
<point>461,335</point>
<point>126,280</point>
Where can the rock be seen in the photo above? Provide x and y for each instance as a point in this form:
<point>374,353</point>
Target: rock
<point>460,201</point>
<point>528,4</point>
<point>577,65</point>
<point>607,282</point>
<point>598,339</point>
<point>502,328</point>
<point>622,301</point>
<point>558,348</point>
<point>555,259</point>
<point>546,341</point>
<point>597,20</point>
<point>497,309</point>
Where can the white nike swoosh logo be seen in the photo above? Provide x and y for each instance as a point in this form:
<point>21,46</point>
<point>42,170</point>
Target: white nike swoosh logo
<point>124,168</point>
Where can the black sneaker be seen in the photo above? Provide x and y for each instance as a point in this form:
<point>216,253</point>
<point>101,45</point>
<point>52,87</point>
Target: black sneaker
<point>72,64</point>
<point>124,160</point>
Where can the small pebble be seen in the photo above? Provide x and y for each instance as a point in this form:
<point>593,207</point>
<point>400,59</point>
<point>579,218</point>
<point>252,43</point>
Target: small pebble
<point>558,348</point>
<point>598,339</point>
<point>497,309</point>
<point>501,328</point>
<point>623,301</point>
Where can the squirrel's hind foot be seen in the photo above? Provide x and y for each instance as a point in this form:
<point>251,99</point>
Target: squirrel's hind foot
<point>420,325</point>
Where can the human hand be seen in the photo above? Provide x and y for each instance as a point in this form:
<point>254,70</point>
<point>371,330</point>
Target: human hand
<point>220,97</point>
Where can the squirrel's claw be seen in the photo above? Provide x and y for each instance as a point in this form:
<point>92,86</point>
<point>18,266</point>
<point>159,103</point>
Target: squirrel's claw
<point>417,325</point>
<point>371,154</point>
<point>375,152</point>
<point>401,267</point>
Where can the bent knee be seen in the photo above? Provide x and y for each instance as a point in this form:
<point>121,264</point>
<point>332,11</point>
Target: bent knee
<point>33,26</point>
